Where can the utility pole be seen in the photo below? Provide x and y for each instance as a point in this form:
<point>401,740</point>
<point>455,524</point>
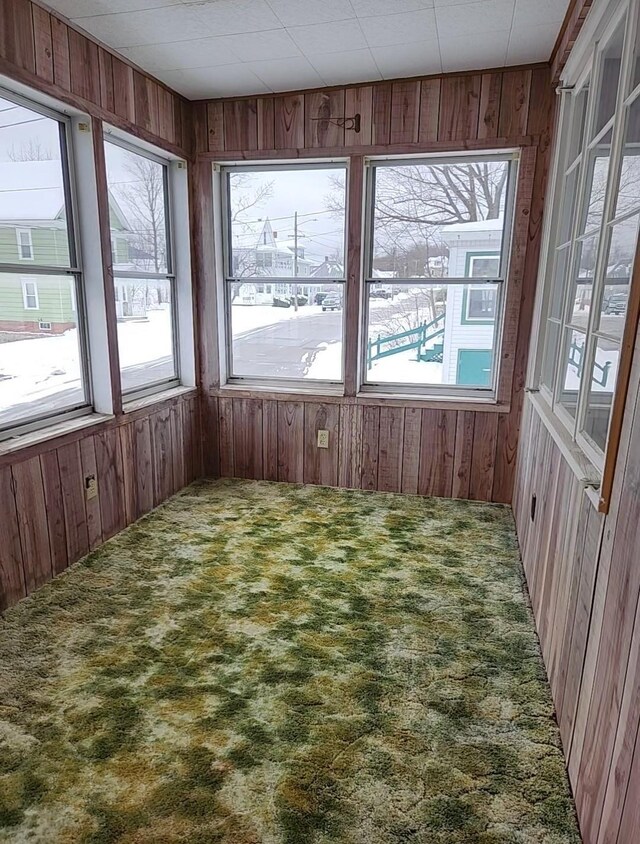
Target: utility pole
<point>295,260</point>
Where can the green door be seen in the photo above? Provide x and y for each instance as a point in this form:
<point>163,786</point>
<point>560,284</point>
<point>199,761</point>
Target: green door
<point>474,367</point>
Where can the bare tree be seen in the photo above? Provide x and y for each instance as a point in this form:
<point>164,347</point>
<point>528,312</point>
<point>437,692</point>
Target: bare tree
<point>31,150</point>
<point>144,197</point>
<point>247,195</point>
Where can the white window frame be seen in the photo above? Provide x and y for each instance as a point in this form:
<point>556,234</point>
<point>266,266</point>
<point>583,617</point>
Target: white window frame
<point>225,272</point>
<point>26,295</point>
<point>19,233</point>
<point>74,270</point>
<point>437,391</point>
<point>583,67</point>
<point>182,350</point>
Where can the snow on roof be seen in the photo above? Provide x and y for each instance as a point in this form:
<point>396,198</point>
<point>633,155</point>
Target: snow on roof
<point>30,190</point>
<point>493,225</point>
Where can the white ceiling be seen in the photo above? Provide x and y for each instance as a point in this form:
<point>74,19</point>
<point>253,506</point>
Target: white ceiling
<point>221,48</point>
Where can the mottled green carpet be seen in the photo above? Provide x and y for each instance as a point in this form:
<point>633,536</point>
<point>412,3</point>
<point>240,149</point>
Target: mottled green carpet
<point>276,664</point>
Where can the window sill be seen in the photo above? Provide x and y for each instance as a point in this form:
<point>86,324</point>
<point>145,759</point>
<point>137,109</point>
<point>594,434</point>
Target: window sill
<point>485,405</point>
<point>158,398</point>
<point>19,443</point>
<point>327,394</point>
<point>586,473</point>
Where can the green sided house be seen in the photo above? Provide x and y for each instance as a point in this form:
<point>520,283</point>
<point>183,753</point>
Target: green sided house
<point>33,234</point>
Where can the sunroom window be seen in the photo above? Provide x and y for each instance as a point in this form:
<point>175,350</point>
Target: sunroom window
<point>436,270</point>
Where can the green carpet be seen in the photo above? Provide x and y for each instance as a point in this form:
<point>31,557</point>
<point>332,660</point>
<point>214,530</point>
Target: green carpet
<point>257,663</point>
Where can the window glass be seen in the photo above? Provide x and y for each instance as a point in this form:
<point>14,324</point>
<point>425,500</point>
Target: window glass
<point>601,388</point>
<point>141,255</point>
<point>287,223</point>
<point>33,205</point>
<point>618,271</point>
<point>597,184</point>
<point>580,304</point>
<point>282,224</point>
<point>41,343</point>
<point>628,198</point>
<point>610,62</point>
<point>572,370</point>
<point>578,123</point>
<point>551,344</point>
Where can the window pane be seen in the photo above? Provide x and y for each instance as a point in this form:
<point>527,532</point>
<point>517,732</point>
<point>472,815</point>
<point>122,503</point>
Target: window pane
<point>433,334</point>
<point>597,184</point>
<point>628,198</point>
<point>622,250</point>
<point>559,282</point>
<point>551,343</point>
<point>609,77</point>
<point>33,212</point>
<point>568,205</point>
<point>601,390</point>
<point>580,304</point>
<point>287,223</point>
<point>145,332</point>
<point>430,218</point>
<point>273,337</point>
<point>572,370</point>
<point>578,123</point>
<point>137,211</point>
<point>40,360</point>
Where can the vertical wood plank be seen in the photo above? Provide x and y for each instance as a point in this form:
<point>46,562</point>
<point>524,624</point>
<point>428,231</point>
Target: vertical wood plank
<point>32,523</point>
<point>411,449</point>
<point>84,67</point>
<point>321,464</point>
<point>240,124</point>
<point>289,121</point>
<point>123,90</point>
<point>215,126</point>
<point>381,121</point>
<point>485,436</point>
<point>162,457</point>
<point>465,426</point>
<point>16,34</point>
<point>390,448</point>
<point>89,467</point>
<point>514,103</point>
<point>60,41</point>
<point>359,100</point>
<point>130,470</point>
<point>266,122</point>
<point>55,511</point>
<point>270,440</point>
<point>405,112</point>
<point>73,499</point>
<point>291,441</point>
<point>225,429</point>
<point>370,440</point>
<point>180,447</point>
<point>110,471</point>
<point>350,452</point>
<point>43,42</point>
<point>247,438</point>
<point>144,464</point>
<point>429,110</point>
<point>12,582</point>
<point>437,452</point>
<point>319,107</point>
<point>105,61</point>
<point>459,108</point>
<point>490,93</point>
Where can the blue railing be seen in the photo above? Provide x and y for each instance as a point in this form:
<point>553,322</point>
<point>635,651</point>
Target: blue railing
<point>576,359</point>
<point>415,338</point>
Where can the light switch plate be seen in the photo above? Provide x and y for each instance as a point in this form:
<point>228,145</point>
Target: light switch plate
<point>323,439</point>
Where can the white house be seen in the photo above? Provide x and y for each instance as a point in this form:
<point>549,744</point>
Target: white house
<point>474,252</point>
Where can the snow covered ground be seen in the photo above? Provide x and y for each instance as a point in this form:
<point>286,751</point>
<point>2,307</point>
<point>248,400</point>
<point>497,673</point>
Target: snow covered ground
<point>34,371</point>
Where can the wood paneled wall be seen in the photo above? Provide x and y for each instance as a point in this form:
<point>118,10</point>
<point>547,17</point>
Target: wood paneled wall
<point>47,520</point>
<point>458,111</point>
<point>394,449</point>
<point>139,458</point>
<point>40,49</point>
<point>583,571</point>
<point>380,446</point>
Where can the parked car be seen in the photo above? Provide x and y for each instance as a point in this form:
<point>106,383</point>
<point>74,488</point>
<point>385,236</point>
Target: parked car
<point>319,298</point>
<point>279,302</point>
<point>379,294</point>
<point>302,299</point>
<point>331,302</point>
<point>616,303</point>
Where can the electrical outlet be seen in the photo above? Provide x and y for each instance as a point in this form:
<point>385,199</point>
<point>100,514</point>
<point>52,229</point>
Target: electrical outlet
<point>90,487</point>
<point>323,439</point>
